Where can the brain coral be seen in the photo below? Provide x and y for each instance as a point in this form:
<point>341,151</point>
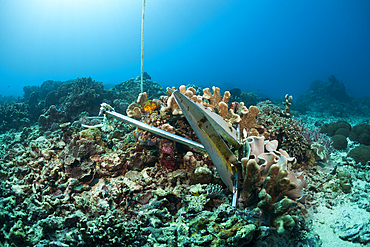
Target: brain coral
<point>360,154</point>
<point>331,128</point>
<point>361,133</point>
<point>343,131</point>
<point>339,142</point>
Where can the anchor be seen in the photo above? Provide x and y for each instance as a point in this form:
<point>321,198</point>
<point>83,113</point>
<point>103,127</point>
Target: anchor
<point>218,137</point>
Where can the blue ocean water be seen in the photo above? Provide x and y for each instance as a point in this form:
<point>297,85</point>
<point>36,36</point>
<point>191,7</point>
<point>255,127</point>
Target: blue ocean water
<point>266,47</point>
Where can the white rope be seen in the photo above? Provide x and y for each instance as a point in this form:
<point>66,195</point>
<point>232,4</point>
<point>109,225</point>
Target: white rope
<point>142,46</point>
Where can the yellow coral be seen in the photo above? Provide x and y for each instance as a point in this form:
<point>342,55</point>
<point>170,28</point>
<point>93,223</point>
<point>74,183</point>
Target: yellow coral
<point>151,106</point>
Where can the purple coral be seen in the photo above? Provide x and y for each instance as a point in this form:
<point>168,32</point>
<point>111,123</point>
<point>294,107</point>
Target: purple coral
<point>167,148</point>
<point>315,136</point>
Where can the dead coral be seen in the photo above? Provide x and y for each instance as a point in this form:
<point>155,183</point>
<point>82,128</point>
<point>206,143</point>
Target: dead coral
<point>51,116</point>
<point>93,134</point>
<point>140,157</point>
<point>110,165</point>
<point>77,161</point>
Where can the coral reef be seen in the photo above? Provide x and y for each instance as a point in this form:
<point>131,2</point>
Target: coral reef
<point>360,154</point>
<point>361,134</point>
<point>43,90</point>
<point>339,142</point>
<point>340,127</point>
<point>287,131</point>
<point>330,98</point>
<point>62,185</point>
<point>126,92</point>
<point>77,96</point>
<point>14,116</point>
<point>248,98</point>
<point>69,99</point>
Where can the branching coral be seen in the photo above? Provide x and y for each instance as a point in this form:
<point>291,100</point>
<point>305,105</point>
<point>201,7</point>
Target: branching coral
<point>240,114</point>
<point>314,136</point>
<point>214,100</point>
<point>287,104</point>
<point>236,113</point>
<point>287,131</point>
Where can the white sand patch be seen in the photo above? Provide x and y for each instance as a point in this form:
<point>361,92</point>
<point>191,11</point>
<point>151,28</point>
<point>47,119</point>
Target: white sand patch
<point>326,219</point>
